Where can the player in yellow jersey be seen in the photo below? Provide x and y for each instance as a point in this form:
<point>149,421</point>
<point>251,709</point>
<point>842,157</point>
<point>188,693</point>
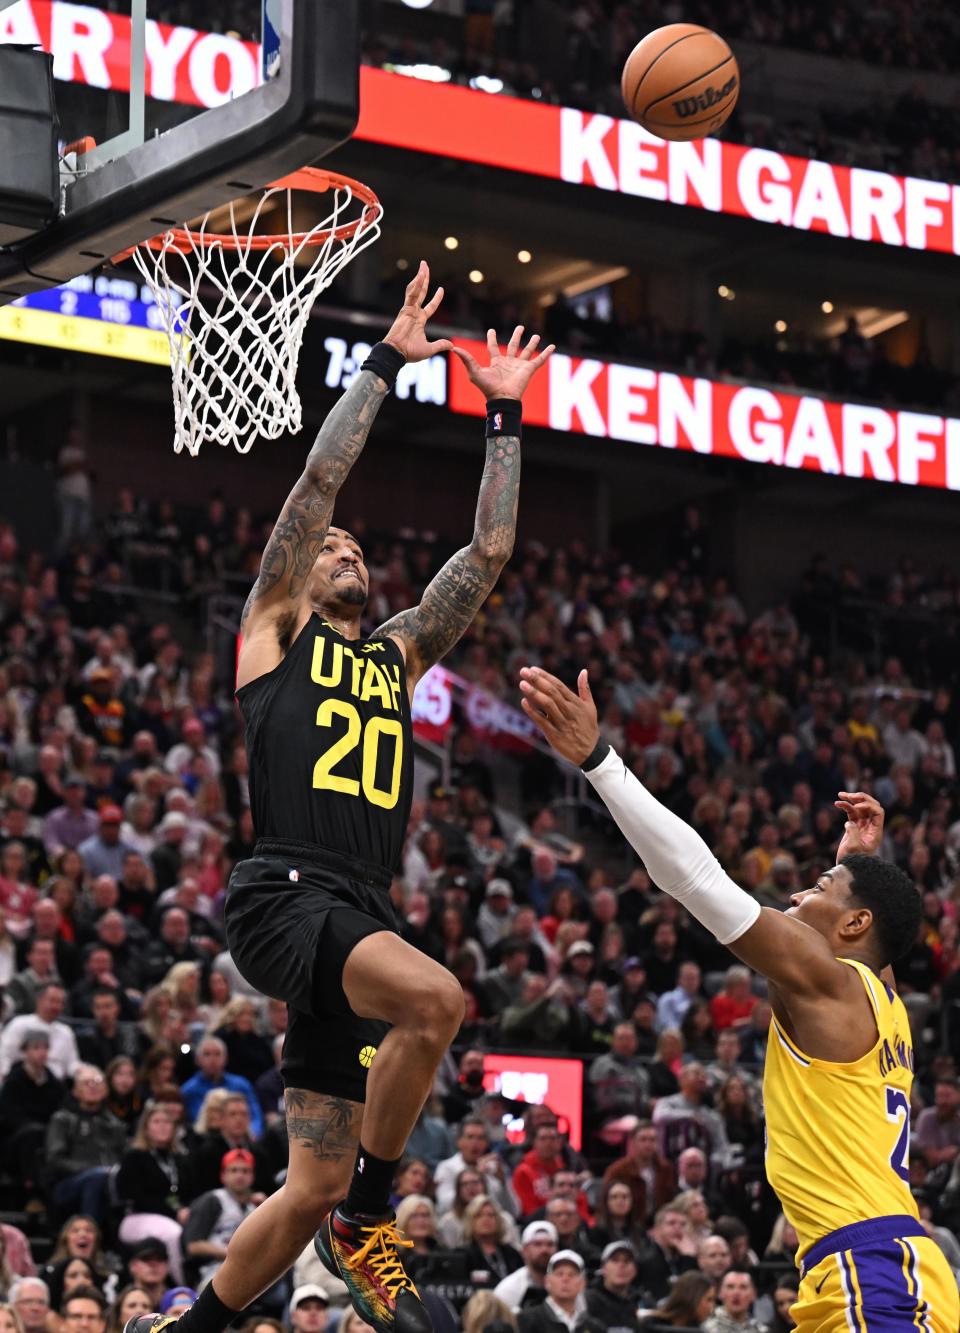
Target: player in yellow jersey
<point>839,1065</point>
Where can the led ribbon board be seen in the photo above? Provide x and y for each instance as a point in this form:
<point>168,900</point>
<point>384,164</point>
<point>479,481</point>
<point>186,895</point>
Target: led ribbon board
<point>96,315</point>
<point>207,69</point>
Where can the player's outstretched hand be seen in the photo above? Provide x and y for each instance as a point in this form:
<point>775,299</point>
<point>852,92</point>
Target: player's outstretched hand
<point>409,332</point>
<point>863,831</point>
<point>507,375</point>
<point>567,720</point>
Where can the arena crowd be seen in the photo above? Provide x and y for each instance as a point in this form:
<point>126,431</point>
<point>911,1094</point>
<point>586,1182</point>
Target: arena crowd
<point>140,1095</point>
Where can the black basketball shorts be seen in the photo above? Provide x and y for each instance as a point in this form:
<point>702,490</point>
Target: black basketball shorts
<point>293,914</point>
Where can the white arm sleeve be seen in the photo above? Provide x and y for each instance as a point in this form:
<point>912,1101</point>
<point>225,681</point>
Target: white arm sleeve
<point>677,859</point>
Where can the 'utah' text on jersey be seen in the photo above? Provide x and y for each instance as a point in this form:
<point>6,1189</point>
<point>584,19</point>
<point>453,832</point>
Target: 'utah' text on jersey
<point>330,744</point>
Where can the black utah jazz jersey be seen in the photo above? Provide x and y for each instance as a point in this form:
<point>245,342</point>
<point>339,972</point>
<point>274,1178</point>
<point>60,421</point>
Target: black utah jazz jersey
<point>330,744</point>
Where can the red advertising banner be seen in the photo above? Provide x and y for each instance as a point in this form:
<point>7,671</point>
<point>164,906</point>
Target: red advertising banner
<point>759,425</point>
<point>185,64</point>
<point>492,721</point>
<point>618,155</point>
<point>496,723</point>
<point>539,1080</point>
<point>92,46</point>
<point>432,708</point>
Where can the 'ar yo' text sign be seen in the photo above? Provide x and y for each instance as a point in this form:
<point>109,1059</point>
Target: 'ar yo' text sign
<point>185,64</point>
<point>92,46</point>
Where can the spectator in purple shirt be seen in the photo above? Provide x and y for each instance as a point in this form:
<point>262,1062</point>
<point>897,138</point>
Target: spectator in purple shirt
<point>938,1127</point>
<point>72,823</point>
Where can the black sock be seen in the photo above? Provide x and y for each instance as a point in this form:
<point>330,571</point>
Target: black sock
<point>370,1186</point>
<point>207,1314</point>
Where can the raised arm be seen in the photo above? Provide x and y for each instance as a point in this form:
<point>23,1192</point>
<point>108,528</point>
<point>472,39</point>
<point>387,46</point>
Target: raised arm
<point>299,532</point>
<point>454,596</point>
<point>792,954</point>
<point>274,604</point>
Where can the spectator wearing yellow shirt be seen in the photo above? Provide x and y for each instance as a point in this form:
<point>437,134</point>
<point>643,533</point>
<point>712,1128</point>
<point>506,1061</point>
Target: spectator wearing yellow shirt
<point>862,730</point>
<point>768,845</point>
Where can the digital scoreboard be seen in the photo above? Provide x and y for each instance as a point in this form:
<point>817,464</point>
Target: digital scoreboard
<point>94,314</point>
<point>117,317</point>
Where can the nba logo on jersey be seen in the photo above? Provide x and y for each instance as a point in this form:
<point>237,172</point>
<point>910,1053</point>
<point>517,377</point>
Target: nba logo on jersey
<point>271,38</point>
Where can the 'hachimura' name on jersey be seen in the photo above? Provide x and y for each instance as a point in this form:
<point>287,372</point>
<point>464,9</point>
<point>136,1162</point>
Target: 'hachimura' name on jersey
<point>330,744</point>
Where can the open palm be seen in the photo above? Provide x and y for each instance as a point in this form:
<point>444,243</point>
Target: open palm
<point>409,331</point>
<point>508,374</point>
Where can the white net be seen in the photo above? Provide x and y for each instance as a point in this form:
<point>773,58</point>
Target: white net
<point>235,307</point>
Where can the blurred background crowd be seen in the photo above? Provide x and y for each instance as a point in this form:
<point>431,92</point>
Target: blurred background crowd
<point>745,681</point>
<point>140,1098</point>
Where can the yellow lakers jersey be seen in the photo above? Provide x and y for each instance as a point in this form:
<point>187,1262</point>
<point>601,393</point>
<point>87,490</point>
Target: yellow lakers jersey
<point>838,1135</point>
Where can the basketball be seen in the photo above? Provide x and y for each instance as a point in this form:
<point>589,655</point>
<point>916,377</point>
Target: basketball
<point>681,81</point>
<point>366,1056</point>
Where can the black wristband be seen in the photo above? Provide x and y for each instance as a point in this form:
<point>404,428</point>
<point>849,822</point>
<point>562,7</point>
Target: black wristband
<point>386,362</point>
<point>504,417</point>
<point>596,756</point>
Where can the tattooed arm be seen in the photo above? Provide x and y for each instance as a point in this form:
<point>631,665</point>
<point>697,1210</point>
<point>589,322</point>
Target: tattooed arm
<point>276,601</point>
<point>302,526</point>
<point>454,596</point>
<point>427,632</point>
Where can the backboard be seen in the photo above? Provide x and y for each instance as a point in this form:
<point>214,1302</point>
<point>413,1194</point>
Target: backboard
<point>190,106</point>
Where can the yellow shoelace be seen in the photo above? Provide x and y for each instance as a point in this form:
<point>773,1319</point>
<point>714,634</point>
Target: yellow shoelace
<point>386,1264</point>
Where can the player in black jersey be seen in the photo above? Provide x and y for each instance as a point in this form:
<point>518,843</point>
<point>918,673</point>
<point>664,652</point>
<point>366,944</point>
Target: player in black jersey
<point>309,919</point>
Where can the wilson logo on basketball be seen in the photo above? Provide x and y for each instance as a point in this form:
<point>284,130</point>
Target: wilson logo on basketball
<point>706,101</point>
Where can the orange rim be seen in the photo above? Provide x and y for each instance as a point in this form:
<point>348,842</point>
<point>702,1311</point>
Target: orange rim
<point>312,180</point>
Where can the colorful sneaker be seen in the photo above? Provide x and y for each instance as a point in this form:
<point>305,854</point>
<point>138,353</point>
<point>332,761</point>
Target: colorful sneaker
<point>149,1323</point>
<point>363,1254</point>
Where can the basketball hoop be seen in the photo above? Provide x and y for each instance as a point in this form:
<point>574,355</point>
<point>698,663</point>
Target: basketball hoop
<point>235,346</point>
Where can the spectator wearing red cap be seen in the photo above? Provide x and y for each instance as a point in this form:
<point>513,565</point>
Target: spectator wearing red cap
<point>104,852</point>
<point>235,1131</point>
<point>215,1216</point>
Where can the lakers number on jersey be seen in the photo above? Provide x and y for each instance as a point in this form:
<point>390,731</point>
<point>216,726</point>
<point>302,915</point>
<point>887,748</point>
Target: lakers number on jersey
<point>336,664</point>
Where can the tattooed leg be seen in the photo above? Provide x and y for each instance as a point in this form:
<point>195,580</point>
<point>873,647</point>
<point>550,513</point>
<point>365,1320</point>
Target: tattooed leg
<point>323,1125</point>
<point>323,1133</point>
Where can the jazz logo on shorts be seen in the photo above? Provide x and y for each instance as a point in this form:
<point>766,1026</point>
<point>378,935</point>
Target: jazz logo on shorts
<point>366,1056</point>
